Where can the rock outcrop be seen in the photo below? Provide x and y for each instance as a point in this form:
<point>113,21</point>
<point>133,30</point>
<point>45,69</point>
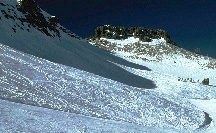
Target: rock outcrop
<point>53,20</point>
<point>36,18</point>
<point>27,12</point>
<point>148,44</point>
<point>29,6</point>
<point>121,32</point>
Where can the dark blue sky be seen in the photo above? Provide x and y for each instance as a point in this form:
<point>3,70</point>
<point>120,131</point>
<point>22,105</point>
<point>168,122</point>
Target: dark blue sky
<point>190,23</point>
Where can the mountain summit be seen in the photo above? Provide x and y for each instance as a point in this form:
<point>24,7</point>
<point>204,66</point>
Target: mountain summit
<point>142,43</point>
<point>121,32</point>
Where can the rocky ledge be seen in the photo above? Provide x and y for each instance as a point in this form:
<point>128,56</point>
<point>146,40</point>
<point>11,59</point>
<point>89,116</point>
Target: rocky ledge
<point>121,32</point>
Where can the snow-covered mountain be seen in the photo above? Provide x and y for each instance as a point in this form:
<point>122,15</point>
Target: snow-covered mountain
<point>33,33</point>
<point>46,66</point>
<point>159,49</point>
<point>174,69</point>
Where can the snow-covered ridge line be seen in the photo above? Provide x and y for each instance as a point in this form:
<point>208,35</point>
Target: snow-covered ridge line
<point>61,46</point>
<point>133,49</point>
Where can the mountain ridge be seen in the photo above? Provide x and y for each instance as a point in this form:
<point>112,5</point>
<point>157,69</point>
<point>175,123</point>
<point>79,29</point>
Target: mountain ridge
<point>121,32</point>
<point>64,47</point>
<point>159,45</point>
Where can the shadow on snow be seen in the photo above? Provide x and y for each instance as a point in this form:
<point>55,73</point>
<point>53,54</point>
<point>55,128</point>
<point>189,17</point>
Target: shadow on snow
<point>81,55</point>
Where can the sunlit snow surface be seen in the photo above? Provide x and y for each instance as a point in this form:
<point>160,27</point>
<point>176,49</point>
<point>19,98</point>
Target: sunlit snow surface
<point>16,117</point>
<point>209,107</point>
<point>131,40</point>
<point>85,99</point>
<point>168,65</point>
<point>35,81</point>
<point>30,80</point>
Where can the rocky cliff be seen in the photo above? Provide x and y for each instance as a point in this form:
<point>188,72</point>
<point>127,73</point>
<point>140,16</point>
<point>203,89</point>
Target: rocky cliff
<point>121,32</point>
<point>28,12</point>
<point>135,42</point>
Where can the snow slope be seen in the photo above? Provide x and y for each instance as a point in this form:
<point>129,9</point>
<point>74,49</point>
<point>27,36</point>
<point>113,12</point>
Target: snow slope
<point>176,72</point>
<point>34,81</point>
<point>17,117</point>
<point>209,107</point>
<point>89,84</point>
<point>169,58</point>
<point>64,48</point>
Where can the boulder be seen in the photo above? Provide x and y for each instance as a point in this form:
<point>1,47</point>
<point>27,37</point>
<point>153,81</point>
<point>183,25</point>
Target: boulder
<point>205,81</point>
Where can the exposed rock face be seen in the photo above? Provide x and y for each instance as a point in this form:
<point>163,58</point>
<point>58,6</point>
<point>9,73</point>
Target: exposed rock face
<point>33,16</point>
<point>148,44</point>
<point>36,18</point>
<point>53,20</point>
<point>120,32</point>
<point>28,6</point>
